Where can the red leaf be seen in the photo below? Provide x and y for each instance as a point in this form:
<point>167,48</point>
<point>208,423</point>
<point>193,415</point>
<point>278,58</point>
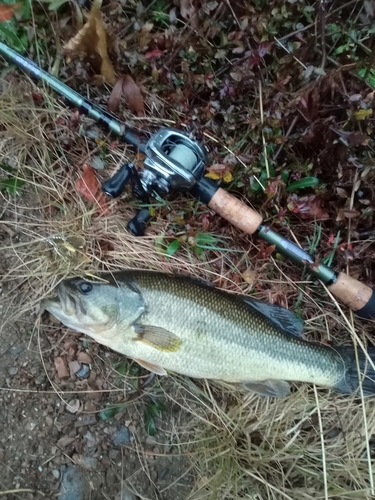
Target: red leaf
<point>127,87</point>
<point>153,53</point>
<point>89,187</point>
<point>308,207</point>
<point>6,11</point>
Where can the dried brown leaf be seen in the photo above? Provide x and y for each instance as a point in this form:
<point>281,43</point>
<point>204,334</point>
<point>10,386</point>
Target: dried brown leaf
<point>89,187</point>
<point>249,276</point>
<point>350,214</point>
<point>92,40</point>
<point>127,87</point>
<point>189,12</point>
<point>308,207</point>
<point>6,11</point>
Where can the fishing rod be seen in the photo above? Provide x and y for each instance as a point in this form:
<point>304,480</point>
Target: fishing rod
<point>176,162</point>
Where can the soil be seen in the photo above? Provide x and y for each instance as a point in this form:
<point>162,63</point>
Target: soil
<point>52,438</point>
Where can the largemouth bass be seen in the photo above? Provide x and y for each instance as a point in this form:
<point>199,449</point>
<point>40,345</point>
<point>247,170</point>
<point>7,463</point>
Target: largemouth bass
<point>183,325</point>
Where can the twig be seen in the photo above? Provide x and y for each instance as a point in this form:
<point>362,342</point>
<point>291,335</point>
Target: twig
<point>289,131</point>
<point>323,15</point>
<point>308,26</point>
<point>288,51</point>
<point>263,138</point>
<point>21,490</point>
<point>325,479</point>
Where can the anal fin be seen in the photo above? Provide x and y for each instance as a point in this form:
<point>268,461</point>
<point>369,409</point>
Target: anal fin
<point>158,370</point>
<point>268,388</point>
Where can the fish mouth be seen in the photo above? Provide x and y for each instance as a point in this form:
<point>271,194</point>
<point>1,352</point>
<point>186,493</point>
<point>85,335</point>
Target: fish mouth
<point>62,305</point>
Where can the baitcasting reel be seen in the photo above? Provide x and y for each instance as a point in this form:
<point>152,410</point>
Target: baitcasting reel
<point>174,163</point>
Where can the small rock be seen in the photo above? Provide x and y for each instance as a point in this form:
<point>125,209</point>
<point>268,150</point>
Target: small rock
<point>84,371</point>
<point>83,357</point>
<point>56,473</point>
<point>61,367</point>
<point>113,454</point>
<point>15,351</point>
<point>13,371</point>
<point>123,437</point>
<point>73,406</point>
<point>106,462</point>
<point>90,439</point>
<point>97,163</point>
<point>87,463</point>
<point>65,441</point>
<point>89,406</point>
<point>125,494</point>
<point>74,485</point>
<point>74,367</point>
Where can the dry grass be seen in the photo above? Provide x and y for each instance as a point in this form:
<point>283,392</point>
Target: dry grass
<point>313,444</point>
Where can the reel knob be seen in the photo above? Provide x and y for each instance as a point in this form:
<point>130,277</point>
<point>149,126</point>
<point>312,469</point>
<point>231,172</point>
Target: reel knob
<point>137,225</point>
<point>115,185</point>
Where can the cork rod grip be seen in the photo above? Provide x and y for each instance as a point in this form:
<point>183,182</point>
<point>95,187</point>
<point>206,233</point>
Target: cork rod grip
<point>235,211</point>
<point>351,292</point>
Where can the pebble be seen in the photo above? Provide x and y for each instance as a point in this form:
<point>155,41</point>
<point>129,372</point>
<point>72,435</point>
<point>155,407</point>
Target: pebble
<point>123,436</point>
<point>113,454</point>
<point>84,371</point>
<point>56,473</point>
<point>74,485</point>
<point>14,351</point>
<point>125,494</point>
<point>97,163</point>
<point>13,370</point>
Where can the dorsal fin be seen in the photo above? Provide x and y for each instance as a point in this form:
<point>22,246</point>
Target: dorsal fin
<point>281,317</point>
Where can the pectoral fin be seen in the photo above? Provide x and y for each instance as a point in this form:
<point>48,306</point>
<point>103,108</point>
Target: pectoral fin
<point>151,368</point>
<point>157,337</point>
<point>269,388</point>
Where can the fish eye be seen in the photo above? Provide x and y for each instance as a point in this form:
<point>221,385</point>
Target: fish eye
<point>85,287</point>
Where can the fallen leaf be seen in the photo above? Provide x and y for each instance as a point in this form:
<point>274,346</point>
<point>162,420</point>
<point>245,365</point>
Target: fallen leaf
<point>90,40</point>
<point>249,276</point>
<point>127,87</point>
<point>350,214</point>
<point>265,250</point>
<point>6,11</point>
<point>308,207</point>
<point>89,187</point>
<point>153,53</point>
<point>341,192</point>
<point>61,367</point>
<point>220,171</point>
<point>189,12</point>
<point>83,357</point>
<point>362,114</point>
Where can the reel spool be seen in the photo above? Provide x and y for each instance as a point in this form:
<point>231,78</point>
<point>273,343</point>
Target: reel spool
<point>174,163</point>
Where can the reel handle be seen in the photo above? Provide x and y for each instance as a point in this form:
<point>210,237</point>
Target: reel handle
<point>356,295</point>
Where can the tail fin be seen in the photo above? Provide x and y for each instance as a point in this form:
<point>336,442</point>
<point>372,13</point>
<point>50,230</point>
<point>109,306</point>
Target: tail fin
<point>356,373</point>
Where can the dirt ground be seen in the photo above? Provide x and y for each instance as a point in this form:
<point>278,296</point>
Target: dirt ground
<point>52,440</point>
